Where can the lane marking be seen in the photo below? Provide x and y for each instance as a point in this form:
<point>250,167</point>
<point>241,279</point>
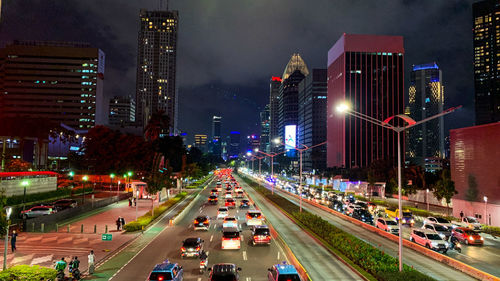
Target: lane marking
<point>278,255</point>
<point>244,255</point>
<point>42,259</point>
<point>249,279</point>
<point>199,278</point>
<point>211,238</point>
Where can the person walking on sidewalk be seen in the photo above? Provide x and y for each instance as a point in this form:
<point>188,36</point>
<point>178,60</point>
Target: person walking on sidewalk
<point>118,224</point>
<point>13,241</point>
<point>130,202</point>
<point>135,201</point>
<point>122,222</point>
<point>91,257</point>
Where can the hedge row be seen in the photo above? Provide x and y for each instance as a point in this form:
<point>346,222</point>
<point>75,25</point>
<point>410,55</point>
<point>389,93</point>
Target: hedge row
<point>35,197</point>
<point>147,218</point>
<point>374,261</point>
<point>493,230</point>
<point>199,182</point>
<point>27,273</point>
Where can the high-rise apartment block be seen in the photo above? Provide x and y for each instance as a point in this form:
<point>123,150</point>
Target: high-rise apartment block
<point>216,142</point>
<point>312,119</point>
<point>59,81</point>
<point>274,92</point>
<point>200,141</point>
<point>156,66</point>
<point>264,129</point>
<point>121,111</point>
<point>234,149</point>
<point>425,143</point>
<point>486,33</point>
<point>367,72</point>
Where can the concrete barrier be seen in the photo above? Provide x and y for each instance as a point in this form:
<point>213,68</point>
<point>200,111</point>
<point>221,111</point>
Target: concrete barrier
<point>472,271</point>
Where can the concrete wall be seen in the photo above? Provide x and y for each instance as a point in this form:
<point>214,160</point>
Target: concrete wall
<point>478,209</point>
<point>36,185</point>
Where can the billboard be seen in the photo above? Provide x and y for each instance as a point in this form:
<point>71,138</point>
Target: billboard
<point>290,136</point>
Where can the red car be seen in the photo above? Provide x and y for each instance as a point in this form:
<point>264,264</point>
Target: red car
<point>261,235</point>
<point>230,203</point>
<point>467,236</point>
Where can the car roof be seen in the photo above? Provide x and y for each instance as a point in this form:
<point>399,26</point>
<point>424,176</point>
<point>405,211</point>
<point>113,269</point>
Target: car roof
<point>192,240</point>
<point>254,211</point>
<point>162,267</point>
<point>427,231</point>
<point>224,268</point>
<point>284,268</point>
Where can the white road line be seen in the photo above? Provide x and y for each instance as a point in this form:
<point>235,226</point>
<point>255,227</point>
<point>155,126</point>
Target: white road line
<point>211,238</point>
<point>249,279</point>
<point>42,259</point>
<point>244,255</point>
<point>199,278</point>
<point>278,255</point>
<point>242,238</point>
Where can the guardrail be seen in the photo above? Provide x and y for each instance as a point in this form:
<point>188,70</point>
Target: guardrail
<point>472,271</point>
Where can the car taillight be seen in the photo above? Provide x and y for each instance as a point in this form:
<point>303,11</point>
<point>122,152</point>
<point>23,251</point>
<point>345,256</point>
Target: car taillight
<point>249,217</point>
<point>183,249</point>
<point>259,217</point>
<point>195,221</point>
<point>160,278</point>
<point>226,239</point>
<point>198,248</point>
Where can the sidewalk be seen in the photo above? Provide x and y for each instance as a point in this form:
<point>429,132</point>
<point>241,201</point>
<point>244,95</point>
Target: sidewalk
<point>46,248</point>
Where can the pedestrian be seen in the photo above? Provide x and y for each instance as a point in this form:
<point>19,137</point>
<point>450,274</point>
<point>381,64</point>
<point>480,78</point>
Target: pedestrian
<point>122,222</point>
<point>135,201</point>
<point>130,202</point>
<point>91,257</point>
<point>118,224</point>
<point>13,240</point>
<point>461,215</point>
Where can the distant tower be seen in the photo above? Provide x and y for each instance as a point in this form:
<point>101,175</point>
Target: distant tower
<point>156,66</point>
<point>264,129</point>
<point>216,145</point>
<point>274,91</point>
<point>425,100</point>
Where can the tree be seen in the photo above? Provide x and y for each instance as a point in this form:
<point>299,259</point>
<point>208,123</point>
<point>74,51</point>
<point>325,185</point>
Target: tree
<point>17,165</point>
<point>445,187</point>
<point>472,191</point>
<point>158,124</point>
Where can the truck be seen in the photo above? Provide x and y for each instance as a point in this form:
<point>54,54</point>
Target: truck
<point>407,216</point>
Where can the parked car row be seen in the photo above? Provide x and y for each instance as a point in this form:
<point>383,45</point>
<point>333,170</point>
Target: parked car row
<point>48,208</point>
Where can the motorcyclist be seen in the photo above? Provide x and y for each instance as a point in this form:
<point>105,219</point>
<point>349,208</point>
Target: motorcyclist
<point>75,264</point>
<point>60,267</point>
<point>203,255</point>
<point>203,261</point>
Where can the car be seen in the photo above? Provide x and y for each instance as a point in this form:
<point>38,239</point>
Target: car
<point>191,247</point>
<point>362,205</point>
<point>244,203</point>
<point>337,206</point>
<point>238,188</point>
<point>442,230</point>
<point>37,211</point>
<point>472,223</point>
<point>239,194</point>
<point>231,239</point>
<point>212,199</point>
<point>467,236</point>
<point>283,271</point>
<point>230,221</point>
<point>261,235</point>
<point>350,208</point>
<point>230,203</point>
<point>166,271</point>
<point>214,192</point>
<point>201,222</point>
<point>254,217</point>
<point>438,220</point>
<point>390,226</point>
<point>222,212</point>
<point>62,204</point>
<point>224,272</point>
<point>228,194</point>
<point>363,215</point>
<point>429,239</point>
<point>372,207</point>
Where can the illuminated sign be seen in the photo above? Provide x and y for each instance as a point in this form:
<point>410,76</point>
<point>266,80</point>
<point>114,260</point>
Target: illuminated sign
<point>290,136</point>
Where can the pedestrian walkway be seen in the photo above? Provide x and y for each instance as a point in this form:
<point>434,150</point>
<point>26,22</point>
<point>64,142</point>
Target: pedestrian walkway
<point>45,249</point>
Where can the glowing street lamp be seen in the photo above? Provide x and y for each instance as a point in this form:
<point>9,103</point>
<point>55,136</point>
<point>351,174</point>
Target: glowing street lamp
<point>485,198</point>
<point>111,176</point>
<point>85,179</point>
<point>24,184</point>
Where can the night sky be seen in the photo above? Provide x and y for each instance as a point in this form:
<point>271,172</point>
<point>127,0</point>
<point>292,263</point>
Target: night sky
<point>228,49</point>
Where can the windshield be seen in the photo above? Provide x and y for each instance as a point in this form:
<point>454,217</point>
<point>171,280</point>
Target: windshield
<point>230,219</point>
<point>470,232</point>
<point>288,277</point>
<point>190,243</point>
<point>201,218</point>
<point>391,223</point>
<point>440,228</point>
<point>254,215</point>
<point>222,210</point>
<point>441,220</point>
<point>406,214</point>
<point>433,236</point>
<point>472,220</point>
<point>262,231</point>
<point>157,275</point>
<point>231,234</point>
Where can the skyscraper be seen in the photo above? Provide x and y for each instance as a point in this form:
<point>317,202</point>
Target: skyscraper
<point>59,81</point>
<point>288,106</point>
<point>200,141</point>
<point>121,111</point>
<point>312,119</point>
<point>486,32</point>
<point>156,66</point>
<point>425,100</point>
<point>264,129</point>
<point>274,91</point>
<point>234,149</point>
<point>366,71</point>
<point>216,145</point>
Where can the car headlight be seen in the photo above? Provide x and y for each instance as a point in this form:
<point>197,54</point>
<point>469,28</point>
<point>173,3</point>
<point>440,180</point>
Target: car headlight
<point>412,221</point>
<point>404,220</point>
<point>442,235</point>
<point>471,238</point>
<point>482,239</point>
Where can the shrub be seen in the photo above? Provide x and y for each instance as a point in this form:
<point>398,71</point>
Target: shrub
<point>28,273</point>
<point>493,230</point>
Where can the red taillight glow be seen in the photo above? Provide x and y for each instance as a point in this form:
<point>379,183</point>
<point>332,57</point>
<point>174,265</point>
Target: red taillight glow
<point>195,221</point>
<point>160,278</point>
<point>183,249</point>
<point>198,248</point>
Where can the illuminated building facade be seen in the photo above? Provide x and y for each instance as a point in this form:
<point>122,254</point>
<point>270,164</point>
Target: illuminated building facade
<point>59,81</point>
<point>156,66</point>
<point>366,71</point>
<point>486,33</point>
<point>274,92</point>
<point>216,144</point>
<point>426,98</point>
<point>234,149</point>
<point>121,111</point>
<point>200,141</point>
<point>264,129</point>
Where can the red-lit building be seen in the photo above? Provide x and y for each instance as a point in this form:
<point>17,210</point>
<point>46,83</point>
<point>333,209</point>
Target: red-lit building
<point>475,156</point>
<point>368,72</point>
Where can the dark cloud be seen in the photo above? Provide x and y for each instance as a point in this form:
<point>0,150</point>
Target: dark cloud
<point>228,49</point>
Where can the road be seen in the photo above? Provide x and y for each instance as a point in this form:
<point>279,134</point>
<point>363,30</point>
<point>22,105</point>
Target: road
<point>420,262</point>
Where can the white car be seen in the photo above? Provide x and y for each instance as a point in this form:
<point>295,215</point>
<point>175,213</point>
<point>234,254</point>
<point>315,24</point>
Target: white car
<point>472,223</point>
<point>254,217</point>
<point>222,212</point>
<point>230,221</point>
<point>228,195</point>
<point>429,239</point>
<point>438,220</point>
<point>239,194</point>
<point>231,239</point>
<point>390,226</point>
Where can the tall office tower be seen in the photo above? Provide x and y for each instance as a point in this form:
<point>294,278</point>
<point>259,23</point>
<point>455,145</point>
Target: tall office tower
<point>216,147</point>
<point>295,71</point>
<point>234,149</point>
<point>426,142</point>
<point>121,111</point>
<point>274,91</point>
<point>312,119</point>
<point>156,66</point>
<point>486,34</point>
<point>264,129</point>
<point>200,141</point>
<point>59,81</point>
<point>367,72</point>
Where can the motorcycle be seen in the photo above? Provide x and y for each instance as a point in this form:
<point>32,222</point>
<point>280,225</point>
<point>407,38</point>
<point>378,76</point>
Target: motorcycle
<point>455,245</point>
<point>203,265</point>
<point>60,275</point>
<point>76,274</point>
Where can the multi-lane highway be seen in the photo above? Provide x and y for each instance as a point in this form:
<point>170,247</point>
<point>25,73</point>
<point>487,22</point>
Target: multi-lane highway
<point>420,262</point>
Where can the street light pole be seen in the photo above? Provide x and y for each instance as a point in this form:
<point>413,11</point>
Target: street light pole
<point>485,210</point>
<point>85,178</point>
<point>25,183</point>
<point>136,205</point>
<point>427,199</point>
<point>345,108</point>
<point>8,211</point>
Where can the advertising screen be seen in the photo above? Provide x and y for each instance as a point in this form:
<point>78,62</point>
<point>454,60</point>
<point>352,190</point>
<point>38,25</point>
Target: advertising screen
<point>290,136</point>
